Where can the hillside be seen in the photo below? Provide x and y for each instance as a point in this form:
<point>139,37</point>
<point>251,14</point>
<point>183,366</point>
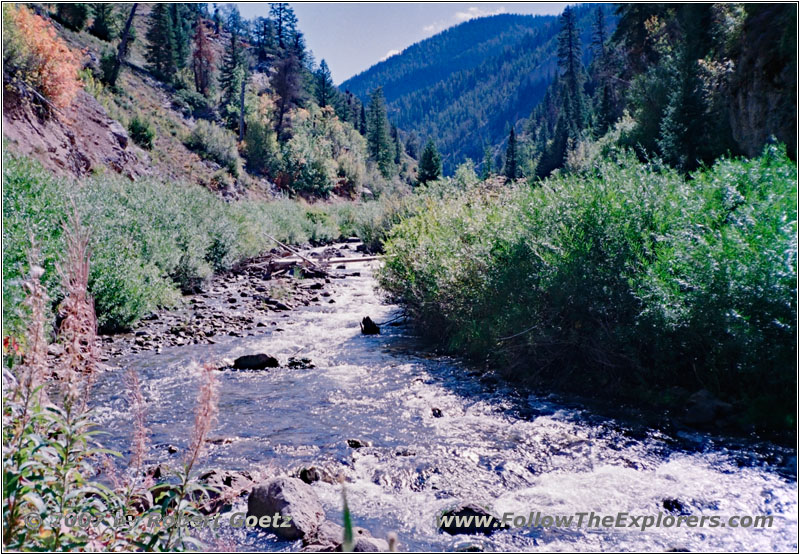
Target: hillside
<point>466,85</point>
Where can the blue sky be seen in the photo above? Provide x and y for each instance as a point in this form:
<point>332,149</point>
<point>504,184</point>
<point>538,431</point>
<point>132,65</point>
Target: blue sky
<point>351,37</point>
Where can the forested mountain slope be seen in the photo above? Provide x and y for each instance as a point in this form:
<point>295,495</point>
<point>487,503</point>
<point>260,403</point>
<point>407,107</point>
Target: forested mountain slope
<point>466,85</point>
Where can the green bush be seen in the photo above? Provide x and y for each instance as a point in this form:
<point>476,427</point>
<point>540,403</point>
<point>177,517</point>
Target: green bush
<point>620,276</point>
<point>142,132</point>
<point>191,103</point>
<point>217,144</point>
<point>150,240</point>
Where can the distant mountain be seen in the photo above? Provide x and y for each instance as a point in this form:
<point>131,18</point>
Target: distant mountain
<point>466,85</point>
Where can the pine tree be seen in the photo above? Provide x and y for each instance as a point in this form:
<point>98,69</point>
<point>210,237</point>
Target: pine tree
<point>511,169</point>
<point>232,72</point>
<point>488,164</point>
<point>398,148</point>
<point>73,15</point>
<point>181,29</point>
<point>287,84</point>
<point>324,91</point>
<point>217,20</point>
<point>604,106</point>
<point>160,53</point>
<point>285,22</point>
<point>105,21</point>
<point>378,141</point>
<point>362,122</point>
<point>264,39</point>
<point>569,60</point>
<point>113,65</point>
<point>202,60</point>
<point>430,164</point>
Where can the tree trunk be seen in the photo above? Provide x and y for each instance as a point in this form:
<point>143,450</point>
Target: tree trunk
<point>122,50</point>
<point>241,112</point>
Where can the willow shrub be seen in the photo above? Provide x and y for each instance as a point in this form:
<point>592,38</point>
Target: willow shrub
<point>150,240</point>
<point>622,274</point>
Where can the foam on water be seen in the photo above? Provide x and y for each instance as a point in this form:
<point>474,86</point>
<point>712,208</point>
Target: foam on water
<point>514,452</point>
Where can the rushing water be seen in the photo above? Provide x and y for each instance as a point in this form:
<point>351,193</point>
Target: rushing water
<point>493,446</point>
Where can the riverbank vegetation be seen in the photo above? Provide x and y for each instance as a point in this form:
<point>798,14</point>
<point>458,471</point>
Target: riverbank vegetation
<point>52,498</point>
<point>621,276</point>
<point>152,240</point>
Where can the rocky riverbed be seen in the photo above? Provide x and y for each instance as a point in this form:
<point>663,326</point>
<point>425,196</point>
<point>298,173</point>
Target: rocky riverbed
<point>413,435</point>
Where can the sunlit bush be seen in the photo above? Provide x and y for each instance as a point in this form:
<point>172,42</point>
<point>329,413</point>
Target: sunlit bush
<point>622,273</point>
<point>34,56</point>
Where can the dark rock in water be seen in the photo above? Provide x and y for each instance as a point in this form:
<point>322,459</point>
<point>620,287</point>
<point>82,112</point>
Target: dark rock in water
<point>368,327</point>
<point>488,522</point>
<point>437,413</point>
<point>288,497</point>
<point>299,363</point>
<point>328,538</point>
<point>226,485</point>
<point>674,506</point>
<point>357,443</point>
<point>703,408</point>
<point>255,362</point>
<point>369,545</point>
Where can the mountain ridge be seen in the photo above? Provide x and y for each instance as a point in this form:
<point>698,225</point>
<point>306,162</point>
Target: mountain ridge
<point>466,85</point>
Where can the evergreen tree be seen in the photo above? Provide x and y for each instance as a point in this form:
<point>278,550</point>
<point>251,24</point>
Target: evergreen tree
<point>202,61</point>
<point>362,122</point>
<point>488,164</point>
<point>379,144</point>
<point>398,149</point>
<point>104,25</point>
<point>511,169</point>
<point>217,20</point>
<point>325,91</point>
<point>112,64</point>
<point>264,39</point>
<point>73,15</point>
<point>160,52</point>
<point>569,60</point>
<point>181,31</point>
<point>232,72</point>
<point>430,164</point>
<point>285,22</point>
<point>604,104</point>
<point>287,84</point>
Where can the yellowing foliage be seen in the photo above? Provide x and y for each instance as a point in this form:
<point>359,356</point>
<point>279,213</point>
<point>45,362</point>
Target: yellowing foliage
<point>44,60</point>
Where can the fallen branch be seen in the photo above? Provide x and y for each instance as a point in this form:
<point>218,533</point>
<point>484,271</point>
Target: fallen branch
<point>293,251</point>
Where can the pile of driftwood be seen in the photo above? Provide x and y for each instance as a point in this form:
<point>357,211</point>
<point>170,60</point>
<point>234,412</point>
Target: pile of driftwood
<point>290,259</point>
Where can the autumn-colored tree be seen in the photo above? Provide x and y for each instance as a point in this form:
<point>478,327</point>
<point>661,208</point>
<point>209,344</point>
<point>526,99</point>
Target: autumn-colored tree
<point>202,60</point>
<point>42,60</point>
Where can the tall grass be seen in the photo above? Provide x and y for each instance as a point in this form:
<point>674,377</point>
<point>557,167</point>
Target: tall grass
<point>622,276</point>
<point>149,240</point>
<point>50,454</point>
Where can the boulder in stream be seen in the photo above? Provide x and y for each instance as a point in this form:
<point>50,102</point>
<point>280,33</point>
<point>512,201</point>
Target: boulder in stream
<point>368,327</point>
<point>290,498</point>
<point>470,519</point>
<point>255,362</point>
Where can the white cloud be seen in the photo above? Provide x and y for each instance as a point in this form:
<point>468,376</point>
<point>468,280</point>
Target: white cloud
<point>474,11</point>
<point>389,54</point>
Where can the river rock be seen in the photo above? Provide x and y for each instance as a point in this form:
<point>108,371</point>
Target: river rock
<point>369,545</point>
<point>289,497</point>
<point>328,538</point>
<point>368,327</point>
<point>313,474</point>
<point>255,362</point>
<point>703,408</point>
<point>476,511</point>
<point>357,443</point>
